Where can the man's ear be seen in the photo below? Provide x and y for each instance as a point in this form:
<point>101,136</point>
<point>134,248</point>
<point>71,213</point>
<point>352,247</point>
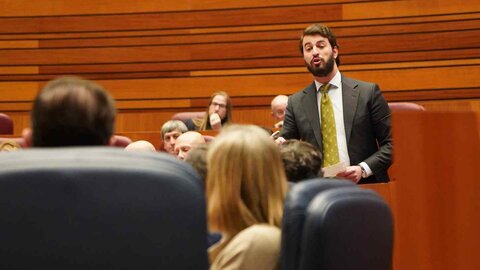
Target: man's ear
<point>335,52</point>
<point>27,137</point>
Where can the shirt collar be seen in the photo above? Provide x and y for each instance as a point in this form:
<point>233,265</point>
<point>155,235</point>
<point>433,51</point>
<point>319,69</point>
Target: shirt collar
<point>336,82</point>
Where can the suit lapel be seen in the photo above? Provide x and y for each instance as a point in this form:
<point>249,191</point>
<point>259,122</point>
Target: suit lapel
<point>311,111</point>
<point>350,98</point>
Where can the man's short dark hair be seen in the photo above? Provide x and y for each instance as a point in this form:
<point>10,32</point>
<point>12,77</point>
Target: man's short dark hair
<point>301,159</point>
<point>324,31</point>
<point>71,111</point>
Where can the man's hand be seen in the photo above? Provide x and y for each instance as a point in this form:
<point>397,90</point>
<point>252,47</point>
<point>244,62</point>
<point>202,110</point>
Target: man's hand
<point>352,173</point>
<point>280,140</point>
<point>279,124</point>
<point>215,121</point>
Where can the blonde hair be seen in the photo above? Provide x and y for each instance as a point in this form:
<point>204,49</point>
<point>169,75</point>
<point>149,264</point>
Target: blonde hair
<point>246,182</point>
<point>9,146</point>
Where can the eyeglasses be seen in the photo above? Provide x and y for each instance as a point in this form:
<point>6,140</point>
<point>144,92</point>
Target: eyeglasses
<point>223,106</point>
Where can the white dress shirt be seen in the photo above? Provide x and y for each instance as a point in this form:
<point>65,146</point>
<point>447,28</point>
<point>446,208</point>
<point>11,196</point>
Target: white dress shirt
<point>335,94</point>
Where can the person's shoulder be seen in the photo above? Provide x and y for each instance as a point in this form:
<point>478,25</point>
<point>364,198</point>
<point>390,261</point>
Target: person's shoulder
<point>299,94</point>
<point>257,246</point>
<point>260,230</point>
<point>359,83</point>
<point>257,238</point>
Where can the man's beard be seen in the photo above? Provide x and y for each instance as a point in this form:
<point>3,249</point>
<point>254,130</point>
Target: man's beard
<point>322,72</point>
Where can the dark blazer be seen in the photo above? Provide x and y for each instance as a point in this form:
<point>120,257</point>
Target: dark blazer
<point>367,124</point>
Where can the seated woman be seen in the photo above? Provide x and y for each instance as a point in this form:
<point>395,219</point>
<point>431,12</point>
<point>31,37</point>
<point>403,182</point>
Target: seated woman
<point>246,186</point>
<point>218,113</point>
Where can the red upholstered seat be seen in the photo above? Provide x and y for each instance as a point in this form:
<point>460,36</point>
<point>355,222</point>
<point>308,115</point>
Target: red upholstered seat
<point>6,124</point>
<point>405,106</point>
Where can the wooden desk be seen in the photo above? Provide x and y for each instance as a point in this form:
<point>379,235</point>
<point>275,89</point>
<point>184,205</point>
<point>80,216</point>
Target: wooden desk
<point>435,199</point>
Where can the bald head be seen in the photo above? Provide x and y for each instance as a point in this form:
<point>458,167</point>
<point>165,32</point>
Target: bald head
<point>279,105</point>
<point>140,146</point>
<point>187,141</point>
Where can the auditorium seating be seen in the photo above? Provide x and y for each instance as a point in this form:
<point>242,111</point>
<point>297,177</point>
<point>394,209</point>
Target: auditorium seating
<point>6,124</point>
<point>184,116</point>
<point>295,208</point>
<point>100,208</point>
<point>347,228</point>
<point>121,141</point>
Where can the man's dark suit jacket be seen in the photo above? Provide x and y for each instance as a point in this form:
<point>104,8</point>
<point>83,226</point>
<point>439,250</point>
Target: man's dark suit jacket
<point>367,124</point>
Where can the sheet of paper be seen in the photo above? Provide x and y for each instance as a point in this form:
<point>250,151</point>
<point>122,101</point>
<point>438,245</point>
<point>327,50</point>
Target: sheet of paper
<point>333,170</point>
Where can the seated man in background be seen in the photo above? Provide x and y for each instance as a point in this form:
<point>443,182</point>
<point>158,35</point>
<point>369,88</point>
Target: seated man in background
<point>140,146</point>
<point>301,159</point>
<point>170,131</point>
<point>71,111</point>
<point>186,142</point>
<point>197,157</point>
<point>279,105</point>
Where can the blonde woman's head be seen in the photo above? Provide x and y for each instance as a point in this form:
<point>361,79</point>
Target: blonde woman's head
<point>246,182</point>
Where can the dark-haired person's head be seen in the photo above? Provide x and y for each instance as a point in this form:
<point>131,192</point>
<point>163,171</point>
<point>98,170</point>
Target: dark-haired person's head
<point>324,31</point>
<point>301,160</point>
<point>71,111</point>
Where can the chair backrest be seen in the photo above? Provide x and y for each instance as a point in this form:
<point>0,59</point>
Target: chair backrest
<point>183,116</point>
<point>405,106</point>
<point>296,203</point>
<point>121,141</point>
<point>347,228</point>
<point>6,124</point>
<point>100,208</point>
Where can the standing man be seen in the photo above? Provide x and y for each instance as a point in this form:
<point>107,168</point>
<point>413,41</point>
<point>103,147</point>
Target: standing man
<point>347,119</point>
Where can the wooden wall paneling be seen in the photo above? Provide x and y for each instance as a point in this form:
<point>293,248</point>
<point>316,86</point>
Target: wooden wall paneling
<point>142,120</point>
<point>87,7</point>
<point>187,52</point>
<point>427,23</point>
<point>407,8</point>
<point>406,30</point>
<point>18,91</point>
<point>169,20</point>
<point>9,70</point>
<point>233,50</point>
<point>89,69</point>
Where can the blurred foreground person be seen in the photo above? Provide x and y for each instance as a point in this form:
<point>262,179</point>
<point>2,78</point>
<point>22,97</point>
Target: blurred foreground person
<point>71,111</point>
<point>246,186</point>
<point>140,146</point>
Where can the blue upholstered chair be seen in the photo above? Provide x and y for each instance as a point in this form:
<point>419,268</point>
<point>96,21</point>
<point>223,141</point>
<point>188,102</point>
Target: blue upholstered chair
<point>6,124</point>
<point>347,228</point>
<point>100,208</point>
<point>294,214</point>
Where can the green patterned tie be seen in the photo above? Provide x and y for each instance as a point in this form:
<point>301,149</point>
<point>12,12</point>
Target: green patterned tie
<point>329,131</point>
